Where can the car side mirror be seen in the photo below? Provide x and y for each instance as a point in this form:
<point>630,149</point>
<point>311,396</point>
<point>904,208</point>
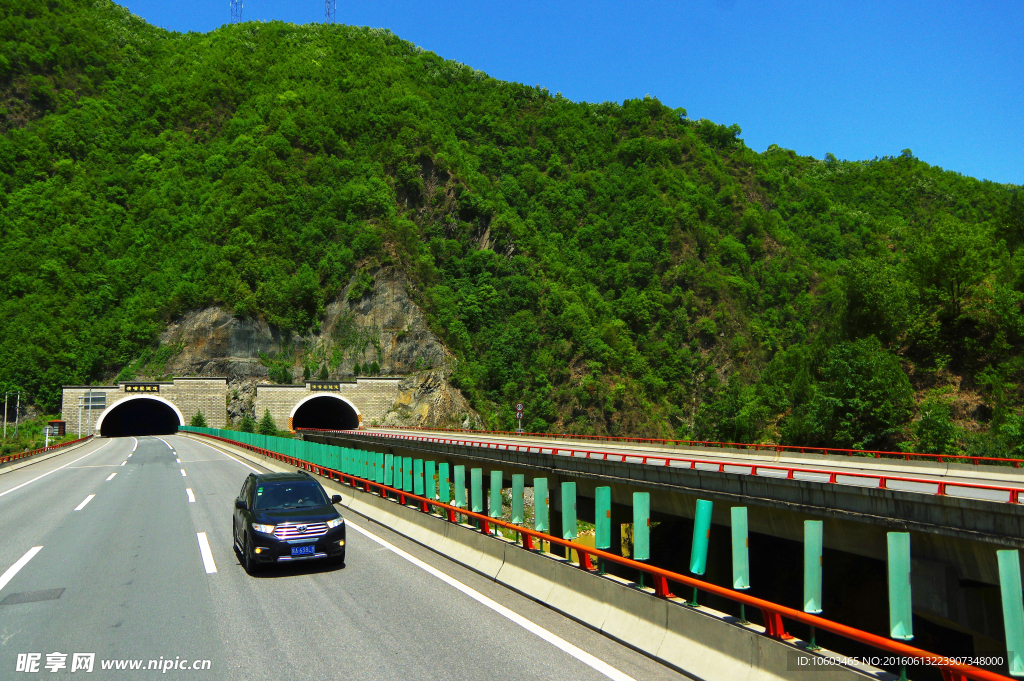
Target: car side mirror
<point>240,504</point>
<point>336,499</point>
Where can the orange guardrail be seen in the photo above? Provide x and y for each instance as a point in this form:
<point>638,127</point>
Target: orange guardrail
<point>942,487</point>
<point>780,449</point>
<point>21,455</point>
<point>774,614</point>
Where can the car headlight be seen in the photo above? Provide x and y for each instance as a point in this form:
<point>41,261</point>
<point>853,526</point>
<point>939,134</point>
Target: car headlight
<point>334,523</point>
<point>266,529</point>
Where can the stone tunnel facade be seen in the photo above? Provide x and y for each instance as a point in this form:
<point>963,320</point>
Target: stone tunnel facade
<point>370,398</point>
<point>84,407</point>
<point>366,400</point>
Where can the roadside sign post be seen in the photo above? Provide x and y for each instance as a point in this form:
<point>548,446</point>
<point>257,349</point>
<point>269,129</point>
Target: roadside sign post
<point>519,417</point>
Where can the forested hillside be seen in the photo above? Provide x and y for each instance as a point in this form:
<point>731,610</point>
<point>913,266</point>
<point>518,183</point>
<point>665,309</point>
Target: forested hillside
<point>620,268</point>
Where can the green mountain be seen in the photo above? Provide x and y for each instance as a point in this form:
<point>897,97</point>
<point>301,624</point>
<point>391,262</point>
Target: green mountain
<point>620,268</point>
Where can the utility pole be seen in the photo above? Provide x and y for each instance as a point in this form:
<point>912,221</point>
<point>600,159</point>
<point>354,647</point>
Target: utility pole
<point>16,410</point>
<point>236,11</point>
<point>330,9</point>
<point>5,415</point>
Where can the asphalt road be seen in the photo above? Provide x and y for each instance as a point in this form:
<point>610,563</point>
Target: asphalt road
<point>123,577</point>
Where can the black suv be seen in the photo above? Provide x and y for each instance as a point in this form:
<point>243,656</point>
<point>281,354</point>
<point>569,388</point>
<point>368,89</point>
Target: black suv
<point>285,517</point>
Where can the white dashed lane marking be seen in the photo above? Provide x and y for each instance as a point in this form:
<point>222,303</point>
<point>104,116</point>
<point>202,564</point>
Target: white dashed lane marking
<point>8,575</point>
<point>183,472</point>
<point>191,497</point>
<point>86,501</point>
<point>111,477</point>
<point>204,548</point>
<point>124,462</point>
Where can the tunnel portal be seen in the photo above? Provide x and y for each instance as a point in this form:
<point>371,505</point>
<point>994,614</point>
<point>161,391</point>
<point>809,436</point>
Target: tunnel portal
<point>139,416</point>
<point>327,412</point>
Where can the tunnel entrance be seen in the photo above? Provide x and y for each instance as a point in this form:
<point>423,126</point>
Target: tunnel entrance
<point>139,416</point>
<point>327,412</point>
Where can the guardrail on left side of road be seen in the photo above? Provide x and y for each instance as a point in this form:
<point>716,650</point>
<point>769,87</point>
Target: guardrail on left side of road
<point>7,458</point>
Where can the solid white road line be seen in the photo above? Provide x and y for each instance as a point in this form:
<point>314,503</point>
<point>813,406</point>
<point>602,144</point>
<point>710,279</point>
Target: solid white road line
<point>55,469</point>
<point>204,548</point>
<point>13,570</point>
<point>135,445</point>
<point>124,462</point>
<point>254,470</point>
<point>111,477</point>
<point>583,656</point>
<point>166,443</point>
<point>191,497</point>
<point>87,500</point>
<point>183,472</point>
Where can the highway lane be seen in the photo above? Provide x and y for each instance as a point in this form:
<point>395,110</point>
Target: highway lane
<point>848,468</point>
<point>135,586</point>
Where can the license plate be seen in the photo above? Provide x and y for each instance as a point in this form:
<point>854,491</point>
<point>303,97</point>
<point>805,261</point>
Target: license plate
<point>307,550</point>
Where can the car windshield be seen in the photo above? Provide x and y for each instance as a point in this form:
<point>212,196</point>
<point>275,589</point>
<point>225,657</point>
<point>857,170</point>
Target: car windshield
<point>281,495</point>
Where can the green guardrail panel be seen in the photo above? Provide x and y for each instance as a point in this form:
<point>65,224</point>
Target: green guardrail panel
<point>460,486</point>
<point>518,486</point>
<point>901,625</point>
<point>740,548</point>
<point>1013,609</point>
<point>379,456</point>
<point>569,511</point>
<point>477,490</point>
<point>641,526</point>
<point>603,518</point>
<point>497,480</point>
<point>813,542</point>
<point>417,481</point>
<point>444,484</point>
<point>389,470</point>
<point>701,537</point>
<point>541,505</point>
<point>407,474</point>
<point>430,479</point>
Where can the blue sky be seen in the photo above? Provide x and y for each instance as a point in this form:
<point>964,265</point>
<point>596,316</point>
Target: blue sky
<point>857,79</point>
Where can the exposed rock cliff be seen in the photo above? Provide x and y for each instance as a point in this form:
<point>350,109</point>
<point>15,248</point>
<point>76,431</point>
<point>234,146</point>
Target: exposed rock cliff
<point>378,328</point>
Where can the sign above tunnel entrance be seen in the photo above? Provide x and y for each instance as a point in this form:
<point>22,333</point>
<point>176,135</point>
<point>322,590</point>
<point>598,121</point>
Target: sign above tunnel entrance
<point>142,387</point>
<point>322,385</point>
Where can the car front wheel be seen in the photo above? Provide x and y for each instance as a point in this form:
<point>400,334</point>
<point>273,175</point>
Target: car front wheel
<point>248,560</point>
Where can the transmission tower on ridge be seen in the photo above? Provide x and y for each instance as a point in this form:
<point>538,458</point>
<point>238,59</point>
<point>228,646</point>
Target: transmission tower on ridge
<point>236,11</point>
<point>330,8</point>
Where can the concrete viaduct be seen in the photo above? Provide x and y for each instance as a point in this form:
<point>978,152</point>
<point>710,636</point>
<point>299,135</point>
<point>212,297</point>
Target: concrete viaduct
<point>148,407</point>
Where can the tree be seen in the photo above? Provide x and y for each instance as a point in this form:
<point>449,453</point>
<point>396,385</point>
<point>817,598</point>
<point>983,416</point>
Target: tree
<point>935,432</point>
<point>248,424</point>
<point>324,373</point>
<point>198,420</point>
<point>863,400</point>
<point>267,425</point>
<point>306,373</point>
<point>374,369</point>
<point>356,369</point>
<point>950,260</point>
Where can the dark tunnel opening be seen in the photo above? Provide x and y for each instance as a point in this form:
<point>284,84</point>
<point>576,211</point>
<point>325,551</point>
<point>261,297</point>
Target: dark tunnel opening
<point>326,412</point>
<point>140,417</point>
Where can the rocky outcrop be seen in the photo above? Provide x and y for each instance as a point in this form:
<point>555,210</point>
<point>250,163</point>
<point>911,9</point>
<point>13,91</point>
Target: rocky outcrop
<point>426,395</point>
<point>381,328</point>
